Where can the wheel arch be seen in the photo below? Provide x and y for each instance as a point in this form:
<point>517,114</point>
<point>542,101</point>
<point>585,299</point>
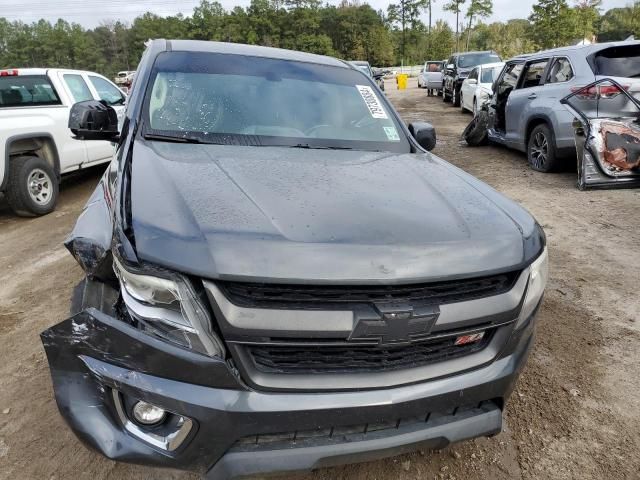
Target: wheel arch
<point>41,144</point>
<point>533,123</point>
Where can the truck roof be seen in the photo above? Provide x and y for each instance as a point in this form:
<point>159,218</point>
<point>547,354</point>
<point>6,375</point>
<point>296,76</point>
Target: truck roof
<point>249,50</point>
<point>38,71</point>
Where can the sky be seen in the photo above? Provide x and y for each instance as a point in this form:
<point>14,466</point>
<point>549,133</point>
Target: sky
<point>91,13</point>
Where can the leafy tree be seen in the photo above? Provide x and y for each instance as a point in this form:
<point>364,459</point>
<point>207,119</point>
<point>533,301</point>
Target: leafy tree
<point>351,30</point>
<point>440,42</point>
<point>455,6</point>
<point>263,16</point>
<point>478,9</point>
<point>587,14</point>
<point>619,23</point>
<point>357,32</point>
<point>554,23</point>
<point>403,13</point>
<point>378,46</point>
<point>207,21</point>
<point>508,39</point>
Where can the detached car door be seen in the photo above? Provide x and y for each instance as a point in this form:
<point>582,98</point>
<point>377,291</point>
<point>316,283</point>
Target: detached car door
<point>622,64</point>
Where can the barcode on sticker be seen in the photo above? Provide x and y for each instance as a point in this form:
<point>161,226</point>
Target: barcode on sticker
<point>372,102</point>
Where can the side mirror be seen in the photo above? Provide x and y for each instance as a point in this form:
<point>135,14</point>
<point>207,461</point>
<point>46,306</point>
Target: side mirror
<point>451,66</point>
<point>424,133</point>
<point>472,81</point>
<point>93,120</point>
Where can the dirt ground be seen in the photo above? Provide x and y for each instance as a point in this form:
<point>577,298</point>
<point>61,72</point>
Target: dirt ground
<point>576,409</point>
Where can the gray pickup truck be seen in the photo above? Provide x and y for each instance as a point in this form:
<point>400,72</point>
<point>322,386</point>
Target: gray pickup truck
<point>280,276</point>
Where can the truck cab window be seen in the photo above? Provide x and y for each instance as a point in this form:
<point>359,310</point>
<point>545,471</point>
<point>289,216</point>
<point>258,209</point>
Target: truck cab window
<point>27,91</point>
<point>106,91</point>
<point>78,87</point>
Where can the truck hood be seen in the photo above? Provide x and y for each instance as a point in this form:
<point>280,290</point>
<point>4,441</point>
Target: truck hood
<point>282,214</point>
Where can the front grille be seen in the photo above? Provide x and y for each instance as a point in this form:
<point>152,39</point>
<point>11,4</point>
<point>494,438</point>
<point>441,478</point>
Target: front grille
<point>358,359</point>
<point>319,296</point>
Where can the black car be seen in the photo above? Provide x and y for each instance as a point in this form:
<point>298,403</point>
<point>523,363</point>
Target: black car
<point>280,276</point>
<point>458,68</point>
<point>375,73</point>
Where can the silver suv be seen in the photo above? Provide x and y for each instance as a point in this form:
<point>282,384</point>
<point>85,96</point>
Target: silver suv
<point>525,112</point>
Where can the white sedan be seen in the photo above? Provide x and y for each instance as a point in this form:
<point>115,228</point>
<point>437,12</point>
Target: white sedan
<point>476,88</point>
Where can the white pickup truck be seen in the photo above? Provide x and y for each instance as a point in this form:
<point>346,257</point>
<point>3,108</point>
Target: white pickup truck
<point>36,146</point>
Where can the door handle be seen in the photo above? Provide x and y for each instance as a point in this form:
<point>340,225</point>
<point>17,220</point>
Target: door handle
<point>532,96</point>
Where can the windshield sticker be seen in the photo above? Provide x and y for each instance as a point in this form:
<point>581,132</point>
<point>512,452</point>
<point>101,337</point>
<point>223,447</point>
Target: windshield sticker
<point>392,133</point>
<point>372,102</point>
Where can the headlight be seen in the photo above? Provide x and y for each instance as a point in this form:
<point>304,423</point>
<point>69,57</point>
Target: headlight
<point>538,275</point>
<point>169,308</point>
<point>485,97</point>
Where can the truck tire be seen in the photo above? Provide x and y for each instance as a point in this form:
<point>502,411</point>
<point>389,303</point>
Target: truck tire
<point>455,97</point>
<point>475,134</point>
<point>541,149</point>
<point>445,98</point>
<point>32,187</point>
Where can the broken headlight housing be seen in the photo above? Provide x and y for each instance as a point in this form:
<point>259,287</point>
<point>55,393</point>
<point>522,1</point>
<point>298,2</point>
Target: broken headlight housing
<point>538,275</point>
<point>168,307</point>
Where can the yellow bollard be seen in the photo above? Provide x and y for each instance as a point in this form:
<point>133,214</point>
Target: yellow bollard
<point>401,80</point>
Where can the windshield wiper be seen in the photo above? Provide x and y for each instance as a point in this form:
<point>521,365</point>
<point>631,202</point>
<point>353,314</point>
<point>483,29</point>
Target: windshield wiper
<point>306,145</point>
<point>172,138</point>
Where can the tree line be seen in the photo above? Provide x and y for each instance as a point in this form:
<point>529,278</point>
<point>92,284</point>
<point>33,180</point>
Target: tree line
<point>351,30</point>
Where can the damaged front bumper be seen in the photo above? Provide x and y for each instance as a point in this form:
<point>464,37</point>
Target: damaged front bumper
<point>608,148</point>
<point>98,362</point>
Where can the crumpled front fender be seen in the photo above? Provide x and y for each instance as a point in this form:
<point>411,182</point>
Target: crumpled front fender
<point>90,240</point>
<point>97,335</point>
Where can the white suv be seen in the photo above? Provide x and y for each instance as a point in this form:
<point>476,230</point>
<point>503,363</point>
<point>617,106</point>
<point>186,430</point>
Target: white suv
<point>36,146</point>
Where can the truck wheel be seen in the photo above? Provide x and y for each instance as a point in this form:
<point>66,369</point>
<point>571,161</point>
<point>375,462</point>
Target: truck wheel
<point>455,97</point>
<point>541,150</point>
<point>32,187</point>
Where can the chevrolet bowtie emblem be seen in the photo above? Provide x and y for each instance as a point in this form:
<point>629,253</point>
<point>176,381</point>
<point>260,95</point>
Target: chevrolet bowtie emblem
<point>396,324</point>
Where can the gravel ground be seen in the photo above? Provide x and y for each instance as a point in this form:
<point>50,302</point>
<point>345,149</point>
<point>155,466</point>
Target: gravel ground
<point>576,409</point>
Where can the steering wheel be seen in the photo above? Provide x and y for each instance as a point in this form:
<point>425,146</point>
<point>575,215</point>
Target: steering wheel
<point>365,121</point>
<point>310,131</point>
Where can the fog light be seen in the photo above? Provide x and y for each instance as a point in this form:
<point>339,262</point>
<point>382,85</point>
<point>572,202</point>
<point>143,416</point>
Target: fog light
<point>148,414</point>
